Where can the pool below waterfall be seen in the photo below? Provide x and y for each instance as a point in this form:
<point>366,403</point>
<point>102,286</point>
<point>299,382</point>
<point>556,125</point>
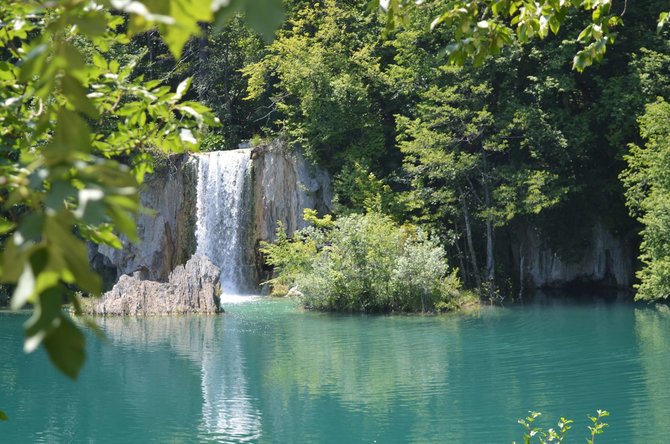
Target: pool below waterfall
<point>266,371</point>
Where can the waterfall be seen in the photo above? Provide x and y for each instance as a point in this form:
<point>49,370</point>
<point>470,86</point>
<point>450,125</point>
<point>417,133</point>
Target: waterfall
<point>224,215</point>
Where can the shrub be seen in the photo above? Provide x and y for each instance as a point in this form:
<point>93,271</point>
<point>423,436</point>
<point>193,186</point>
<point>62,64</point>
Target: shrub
<point>363,263</point>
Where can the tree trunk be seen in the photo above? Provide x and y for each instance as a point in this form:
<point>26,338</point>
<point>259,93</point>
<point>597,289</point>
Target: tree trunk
<point>461,257</point>
<point>471,247</point>
<point>490,257</point>
<point>203,66</point>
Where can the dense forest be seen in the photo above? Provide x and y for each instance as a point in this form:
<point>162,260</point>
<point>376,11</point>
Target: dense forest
<point>443,155</point>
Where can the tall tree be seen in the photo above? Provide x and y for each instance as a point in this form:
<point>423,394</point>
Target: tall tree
<point>325,71</point>
<point>647,181</point>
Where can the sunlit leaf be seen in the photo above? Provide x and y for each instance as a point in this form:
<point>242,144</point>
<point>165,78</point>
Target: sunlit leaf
<point>181,90</point>
<point>6,226</point>
<point>25,288</point>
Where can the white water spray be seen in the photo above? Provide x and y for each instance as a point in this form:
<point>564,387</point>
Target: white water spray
<point>223,206</point>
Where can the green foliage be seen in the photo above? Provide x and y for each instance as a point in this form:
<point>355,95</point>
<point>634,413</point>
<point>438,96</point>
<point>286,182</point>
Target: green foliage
<point>290,256</point>
<point>482,29</point>
<point>358,190</point>
<point>564,425</point>
<point>70,111</point>
<point>472,169</point>
<point>597,427</point>
<point>647,183</point>
<point>179,20</point>
<point>324,69</point>
<point>215,62</point>
<point>364,263</point>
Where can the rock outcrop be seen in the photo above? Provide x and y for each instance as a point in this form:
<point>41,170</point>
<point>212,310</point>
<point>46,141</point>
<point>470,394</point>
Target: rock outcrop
<point>608,262</point>
<point>191,288</point>
<point>166,231</point>
<point>285,183</point>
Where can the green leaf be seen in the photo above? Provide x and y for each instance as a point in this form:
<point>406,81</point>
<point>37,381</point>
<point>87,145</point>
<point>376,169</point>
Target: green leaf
<point>177,20</point>
<point>554,24</point>
<point>59,193</point>
<point>586,32</point>
<point>181,90</point>
<point>13,259</point>
<point>101,235</point>
<point>263,16</point>
<point>124,223</point>
<point>31,227</point>
<point>662,20</point>
<point>114,66</point>
<point>43,320</point>
<point>3,416</point>
<point>33,62</point>
<point>99,61</point>
<point>91,208</point>
<point>66,347</point>
<point>25,288</point>
<point>76,94</point>
<point>92,25</point>
<point>6,226</point>
<point>74,252</point>
<point>74,60</point>
<point>72,134</point>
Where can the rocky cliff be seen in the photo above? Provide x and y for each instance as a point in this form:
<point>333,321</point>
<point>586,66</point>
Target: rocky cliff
<point>284,185</point>
<point>165,229</point>
<point>607,261</point>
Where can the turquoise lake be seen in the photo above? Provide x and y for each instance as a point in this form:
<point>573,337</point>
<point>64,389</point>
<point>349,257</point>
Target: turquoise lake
<point>268,372</point>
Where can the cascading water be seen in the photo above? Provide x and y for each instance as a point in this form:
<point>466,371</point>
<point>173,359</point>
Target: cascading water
<point>224,213</point>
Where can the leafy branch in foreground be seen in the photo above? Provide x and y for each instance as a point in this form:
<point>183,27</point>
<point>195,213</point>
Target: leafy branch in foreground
<point>482,28</point>
<point>69,112</point>
<point>563,426</point>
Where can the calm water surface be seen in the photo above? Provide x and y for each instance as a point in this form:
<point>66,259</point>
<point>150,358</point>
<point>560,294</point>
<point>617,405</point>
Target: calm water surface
<point>267,372</point>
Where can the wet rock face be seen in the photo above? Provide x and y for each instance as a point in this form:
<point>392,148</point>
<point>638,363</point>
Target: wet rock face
<point>166,231</point>
<point>191,288</point>
<point>285,183</point>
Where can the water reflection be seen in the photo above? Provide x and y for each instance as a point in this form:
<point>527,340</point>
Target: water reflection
<point>228,411</point>
<point>213,346</point>
<point>649,415</point>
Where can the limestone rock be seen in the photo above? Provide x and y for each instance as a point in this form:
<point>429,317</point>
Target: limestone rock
<point>293,292</point>
<point>191,288</point>
<point>608,262</point>
<point>166,233</point>
<point>285,183</point>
